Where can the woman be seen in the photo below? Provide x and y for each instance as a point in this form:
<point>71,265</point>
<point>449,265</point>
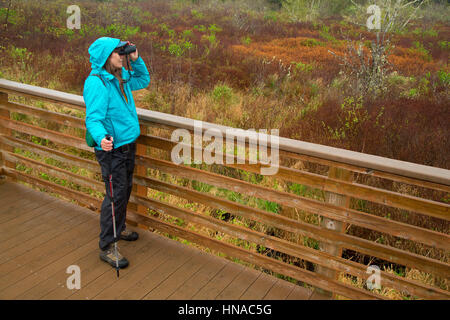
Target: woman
<point>110,110</point>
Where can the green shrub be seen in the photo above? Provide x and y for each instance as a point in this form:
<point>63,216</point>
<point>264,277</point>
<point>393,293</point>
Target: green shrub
<point>175,50</point>
<point>311,243</point>
<point>351,119</point>
<point>21,54</point>
<point>200,186</point>
<point>399,80</point>
<point>311,43</point>
<point>418,46</point>
<point>444,45</point>
<point>413,93</point>
<point>298,189</point>
<point>222,93</point>
<point>58,32</point>
<point>325,34</point>
<point>271,15</point>
<point>187,34</point>
<point>302,67</point>
<point>12,16</point>
<point>314,89</point>
<point>444,77</point>
<point>213,28</point>
<point>246,40</point>
<point>200,28</point>
<point>268,205</point>
<point>196,14</point>
<point>419,32</point>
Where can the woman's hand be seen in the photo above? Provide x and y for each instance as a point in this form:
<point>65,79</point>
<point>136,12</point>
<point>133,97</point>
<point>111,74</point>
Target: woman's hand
<point>107,145</point>
<point>135,55</point>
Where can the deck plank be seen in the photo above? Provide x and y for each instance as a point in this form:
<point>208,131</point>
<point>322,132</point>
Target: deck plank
<point>199,279</point>
<point>59,265</point>
<point>239,285</point>
<point>299,293</point>
<point>259,288</point>
<point>54,249</point>
<point>13,190</point>
<point>171,262</point>
<point>40,236</point>
<point>58,279</point>
<point>215,286</point>
<point>177,279</point>
<point>17,220</point>
<point>280,290</point>
<point>32,287</point>
<point>21,254</point>
<point>91,268</point>
<point>42,219</point>
<point>316,295</point>
<point>13,203</point>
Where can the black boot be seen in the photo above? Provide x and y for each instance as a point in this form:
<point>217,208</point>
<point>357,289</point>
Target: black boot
<point>128,235</point>
<point>109,256</point>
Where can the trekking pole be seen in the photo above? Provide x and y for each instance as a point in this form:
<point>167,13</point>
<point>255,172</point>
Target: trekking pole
<point>108,137</point>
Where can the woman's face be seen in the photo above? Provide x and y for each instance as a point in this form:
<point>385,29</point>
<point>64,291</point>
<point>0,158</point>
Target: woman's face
<point>116,60</point>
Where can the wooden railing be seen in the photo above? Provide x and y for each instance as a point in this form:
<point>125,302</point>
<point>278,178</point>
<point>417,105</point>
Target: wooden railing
<point>295,223</point>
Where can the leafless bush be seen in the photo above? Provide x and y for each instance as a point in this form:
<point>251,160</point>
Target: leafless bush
<point>369,69</point>
<point>302,10</point>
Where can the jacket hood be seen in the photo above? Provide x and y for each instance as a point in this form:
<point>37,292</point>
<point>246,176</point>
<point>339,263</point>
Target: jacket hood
<point>100,50</point>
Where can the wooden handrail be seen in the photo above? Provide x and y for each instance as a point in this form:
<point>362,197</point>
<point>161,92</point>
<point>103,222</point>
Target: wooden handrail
<point>337,213</point>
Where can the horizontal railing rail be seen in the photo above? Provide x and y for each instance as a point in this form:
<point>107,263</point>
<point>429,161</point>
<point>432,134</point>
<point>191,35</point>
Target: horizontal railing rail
<point>294,223</point>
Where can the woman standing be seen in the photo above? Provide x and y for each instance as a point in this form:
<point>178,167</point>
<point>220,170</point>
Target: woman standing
<point>110,111</point>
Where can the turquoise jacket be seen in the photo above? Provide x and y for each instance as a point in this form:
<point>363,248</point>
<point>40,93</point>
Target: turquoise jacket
<point>107,111</point>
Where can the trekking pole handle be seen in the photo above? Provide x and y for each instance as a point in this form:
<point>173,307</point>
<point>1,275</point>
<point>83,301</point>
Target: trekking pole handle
<point>108,137</point>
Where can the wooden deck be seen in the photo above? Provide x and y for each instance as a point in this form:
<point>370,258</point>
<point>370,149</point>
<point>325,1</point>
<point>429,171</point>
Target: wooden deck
<point>40,236</point>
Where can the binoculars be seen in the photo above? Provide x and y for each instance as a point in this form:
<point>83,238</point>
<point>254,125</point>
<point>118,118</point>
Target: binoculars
<point>126,49</point>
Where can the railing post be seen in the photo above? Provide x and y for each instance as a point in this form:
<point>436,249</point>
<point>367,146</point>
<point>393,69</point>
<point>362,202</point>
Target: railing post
<point>141,171</point>
<point>5,132</point>
<point>338,200</point>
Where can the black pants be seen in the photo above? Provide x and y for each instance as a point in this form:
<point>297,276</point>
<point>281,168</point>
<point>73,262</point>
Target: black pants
<point>120,163</point>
